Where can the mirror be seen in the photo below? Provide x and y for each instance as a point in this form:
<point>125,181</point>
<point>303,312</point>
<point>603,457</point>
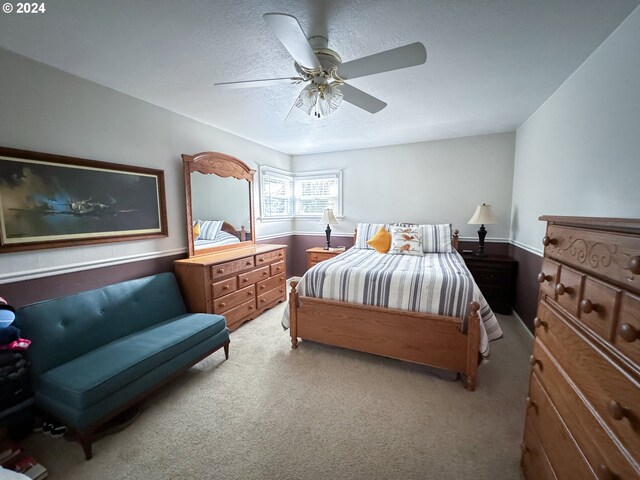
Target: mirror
<point>219,202</point>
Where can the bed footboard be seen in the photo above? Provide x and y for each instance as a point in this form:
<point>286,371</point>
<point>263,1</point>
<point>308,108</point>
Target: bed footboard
<point>426,339</point>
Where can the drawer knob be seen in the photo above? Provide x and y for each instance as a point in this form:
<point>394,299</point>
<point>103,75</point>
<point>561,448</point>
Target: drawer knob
<point>524,449</point>
<point>280,254</point>
<point>250,307</point>
<point>249,294</point>
<point>262,287</point>
<point>226,287</point>
<point>628,332</point>
<point>248,262</point>
<point>537,323</point>
<point>533,361</point>
<point>245,280</point>
<point>604,473</point>
<point>222,305</point>
<point>264,273</point>
<point>587,306</point>
<point>221,270</point>
<point>261,260</point>
<point>617,411</point>
<point>542,277</point>
<point>262,300</point>
<point>634,265</point>
<point>561,289</point>
<point>547,240</point>
<point>531,403</point>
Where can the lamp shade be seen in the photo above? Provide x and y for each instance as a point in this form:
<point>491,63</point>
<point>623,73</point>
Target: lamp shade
<point>328,218</point>
<point>483,216</point>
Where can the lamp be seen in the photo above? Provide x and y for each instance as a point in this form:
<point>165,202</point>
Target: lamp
<point>330,219</point>
<point>483,216</point>
<point>319,99</point>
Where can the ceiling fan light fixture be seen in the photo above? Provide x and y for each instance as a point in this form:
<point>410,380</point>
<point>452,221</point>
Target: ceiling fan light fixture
<point>319,100</point>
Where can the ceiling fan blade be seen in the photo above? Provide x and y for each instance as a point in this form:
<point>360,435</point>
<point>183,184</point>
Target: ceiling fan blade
<point>266,82</point>
<point>361,99</point>
<point>401,57</point>
<point>289,32</point>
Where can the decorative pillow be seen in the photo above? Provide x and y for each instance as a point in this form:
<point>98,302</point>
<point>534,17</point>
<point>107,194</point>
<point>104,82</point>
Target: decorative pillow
<point>381,241</point>
<point>209,229</point>
<point>436,238</point>
<point>196,230</point>
<point>365,232</point>
<point>406,240</point>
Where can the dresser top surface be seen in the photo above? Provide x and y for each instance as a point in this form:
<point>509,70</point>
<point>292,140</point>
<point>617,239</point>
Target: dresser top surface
<point>629,225</point>
<point>231,254</point>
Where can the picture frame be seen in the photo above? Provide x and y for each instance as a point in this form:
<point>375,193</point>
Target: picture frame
<point>54,201</point>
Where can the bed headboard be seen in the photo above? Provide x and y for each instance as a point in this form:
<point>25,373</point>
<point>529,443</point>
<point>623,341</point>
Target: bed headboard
<point>454,236</point>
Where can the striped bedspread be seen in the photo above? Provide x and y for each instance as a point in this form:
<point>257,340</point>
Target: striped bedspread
<point>222,238</point>
<point>437,283</point>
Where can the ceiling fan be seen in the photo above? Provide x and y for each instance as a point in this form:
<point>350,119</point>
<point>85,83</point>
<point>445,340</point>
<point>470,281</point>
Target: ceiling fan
<point>323,71</point>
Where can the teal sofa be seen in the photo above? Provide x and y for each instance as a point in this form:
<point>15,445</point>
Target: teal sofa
<point>96,353</point>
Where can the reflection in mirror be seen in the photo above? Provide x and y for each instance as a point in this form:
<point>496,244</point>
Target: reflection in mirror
<point>220,209</point>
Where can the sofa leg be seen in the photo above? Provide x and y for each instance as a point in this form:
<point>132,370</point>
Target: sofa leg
<point>85,441</point>
<point>226,350</point>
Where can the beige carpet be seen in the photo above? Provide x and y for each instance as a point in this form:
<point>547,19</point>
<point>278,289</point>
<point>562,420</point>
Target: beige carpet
<point>320,412</point>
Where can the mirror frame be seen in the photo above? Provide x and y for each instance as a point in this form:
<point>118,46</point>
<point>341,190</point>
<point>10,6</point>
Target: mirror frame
<point>222,165</point>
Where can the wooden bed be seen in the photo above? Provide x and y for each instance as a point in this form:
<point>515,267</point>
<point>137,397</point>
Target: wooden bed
<point>438,341</point>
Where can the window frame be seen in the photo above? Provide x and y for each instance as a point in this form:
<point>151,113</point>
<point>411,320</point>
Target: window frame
<point>296,177</point>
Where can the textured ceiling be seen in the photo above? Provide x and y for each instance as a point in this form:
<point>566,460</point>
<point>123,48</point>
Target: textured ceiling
<point>490,63</point>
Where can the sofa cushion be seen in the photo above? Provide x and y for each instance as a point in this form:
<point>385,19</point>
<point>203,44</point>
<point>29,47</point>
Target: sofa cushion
<point>68,327</point>
<point>97,374</point>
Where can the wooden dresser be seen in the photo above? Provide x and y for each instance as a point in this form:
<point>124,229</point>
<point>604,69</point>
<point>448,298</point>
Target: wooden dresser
<point>239,283</point>
<point>583,407</point>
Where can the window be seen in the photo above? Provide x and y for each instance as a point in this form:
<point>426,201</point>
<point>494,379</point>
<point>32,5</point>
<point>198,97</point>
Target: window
<point>284,194</point>
<point>276,193</point>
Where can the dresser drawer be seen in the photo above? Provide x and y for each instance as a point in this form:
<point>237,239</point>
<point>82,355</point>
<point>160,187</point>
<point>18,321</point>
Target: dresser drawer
<point>317,257</point>
<point>226,303</point>
<point>627,335</point>
<point>613,394</point>
<point>565,456</point>
<point>250,278</point>
<point>269,257</point>
<point>612,255</point>
<point>230,268</point>
<point>235,316</point>
<point>271,296</point>
<point>224,287</point>
<point>600,450</point>
<point>597,307</point>
<point>277,268</point>
<point>535,463</point>
<point>548,277</point>
<point>270,284</point>
<point>568,289</point>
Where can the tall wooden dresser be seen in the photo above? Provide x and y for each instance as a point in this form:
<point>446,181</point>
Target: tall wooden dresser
<point>583,407</point>
<point>239,283</point>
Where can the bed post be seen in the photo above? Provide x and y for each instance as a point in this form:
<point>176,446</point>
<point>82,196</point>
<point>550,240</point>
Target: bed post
<point>454,240</point>
<point>293,315</point>
<point>473,346</point>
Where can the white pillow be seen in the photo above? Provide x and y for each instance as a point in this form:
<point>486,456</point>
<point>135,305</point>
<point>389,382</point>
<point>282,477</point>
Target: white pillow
<point>436,238</point>
<point>406,240</point>
<point>365,232</point>
<point>209,229</point>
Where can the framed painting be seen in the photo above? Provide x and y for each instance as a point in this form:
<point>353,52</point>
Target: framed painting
<point>49,201</point>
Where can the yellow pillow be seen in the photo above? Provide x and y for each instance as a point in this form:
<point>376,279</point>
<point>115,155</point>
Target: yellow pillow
<point>196,230</point>
<point>381,241</point>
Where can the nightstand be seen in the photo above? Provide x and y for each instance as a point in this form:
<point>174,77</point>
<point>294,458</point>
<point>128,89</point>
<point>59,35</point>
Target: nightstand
<point>319,254</point>
<point>496,277</point>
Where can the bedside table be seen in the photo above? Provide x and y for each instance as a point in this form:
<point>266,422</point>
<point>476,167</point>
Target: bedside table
<point>496,277</point>
<point>319,254</point>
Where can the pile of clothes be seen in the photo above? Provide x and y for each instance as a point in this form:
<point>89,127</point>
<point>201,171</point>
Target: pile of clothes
<point>15,386</point>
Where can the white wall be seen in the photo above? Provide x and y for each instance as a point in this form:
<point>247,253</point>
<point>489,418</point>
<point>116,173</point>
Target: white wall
<point>428,182</point>
<point>46,110</point>
<point>579,153</point>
